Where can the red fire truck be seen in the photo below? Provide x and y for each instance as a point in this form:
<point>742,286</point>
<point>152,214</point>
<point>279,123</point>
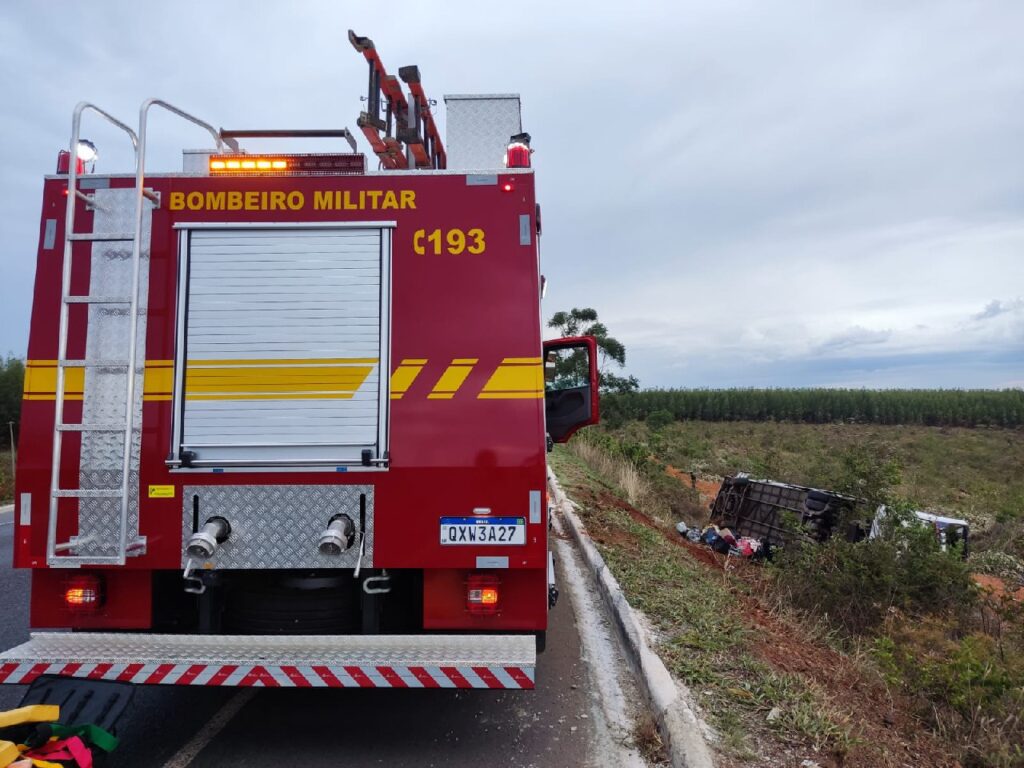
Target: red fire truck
<point>285,418</point>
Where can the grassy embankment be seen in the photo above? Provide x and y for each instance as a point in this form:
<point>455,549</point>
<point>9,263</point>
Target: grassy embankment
<point>781,681</point>
<point>6,481</point>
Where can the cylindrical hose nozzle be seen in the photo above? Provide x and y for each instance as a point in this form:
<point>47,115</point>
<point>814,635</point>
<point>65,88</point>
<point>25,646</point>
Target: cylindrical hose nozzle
<point>205,541</point>
<point>338,536</point>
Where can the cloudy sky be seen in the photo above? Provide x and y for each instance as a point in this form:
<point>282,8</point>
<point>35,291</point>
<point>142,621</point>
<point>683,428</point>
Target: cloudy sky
<point>750,193</point>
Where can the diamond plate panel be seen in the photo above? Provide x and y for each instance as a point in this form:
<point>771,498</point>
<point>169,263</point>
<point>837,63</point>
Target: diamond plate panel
<point>100,534</point>
<point>137,648</point>
<point>278,526</point>
<point>478,130</point>
<point>104,394</point>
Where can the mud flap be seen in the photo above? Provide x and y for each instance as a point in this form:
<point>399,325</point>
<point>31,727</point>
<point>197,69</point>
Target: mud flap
<point>99,702</point>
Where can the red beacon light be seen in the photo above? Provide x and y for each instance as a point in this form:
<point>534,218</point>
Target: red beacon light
<point>86,153</point>
<point>518,153</point>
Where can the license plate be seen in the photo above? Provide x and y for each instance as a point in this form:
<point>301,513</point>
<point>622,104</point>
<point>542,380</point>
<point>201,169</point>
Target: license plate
<point>486,531</point>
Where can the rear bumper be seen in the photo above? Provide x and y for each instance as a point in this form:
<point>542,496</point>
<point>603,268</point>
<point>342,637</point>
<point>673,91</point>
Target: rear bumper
<point>278,661</point>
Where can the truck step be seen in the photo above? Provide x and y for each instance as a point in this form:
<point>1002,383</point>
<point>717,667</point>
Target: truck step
<point>93,363</point>
<point>103,237</point>
<point>278,661</point>
<point>88,493</point>
<point>90,427</point>
<point>97,300</point>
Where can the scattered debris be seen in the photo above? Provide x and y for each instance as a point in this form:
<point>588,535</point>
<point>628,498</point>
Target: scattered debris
<point>724,541</point>
<point>33,736</point>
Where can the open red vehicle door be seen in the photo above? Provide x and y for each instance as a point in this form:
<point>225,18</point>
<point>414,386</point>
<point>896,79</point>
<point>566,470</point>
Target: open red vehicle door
<point>571,398</point>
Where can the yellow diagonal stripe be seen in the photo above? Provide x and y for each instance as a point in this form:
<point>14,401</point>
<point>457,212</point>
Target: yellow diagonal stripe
<point>404,376</point>
<point>453,377</point>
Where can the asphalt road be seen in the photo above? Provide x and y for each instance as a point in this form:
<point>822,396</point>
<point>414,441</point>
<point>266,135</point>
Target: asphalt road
<point>554,725</point>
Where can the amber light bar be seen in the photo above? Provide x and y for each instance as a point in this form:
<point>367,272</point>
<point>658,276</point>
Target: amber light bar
<point>310,164</point>
<point>247,164</point>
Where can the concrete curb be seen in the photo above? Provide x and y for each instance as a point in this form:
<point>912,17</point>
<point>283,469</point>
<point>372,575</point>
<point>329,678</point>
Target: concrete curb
<point>677,723</point>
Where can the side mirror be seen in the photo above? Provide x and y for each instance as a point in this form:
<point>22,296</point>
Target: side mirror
<point>570,386</point>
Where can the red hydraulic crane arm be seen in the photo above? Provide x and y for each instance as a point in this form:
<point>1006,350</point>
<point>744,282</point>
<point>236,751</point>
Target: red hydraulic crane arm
<point>388,148</point>
<point>427,147</point>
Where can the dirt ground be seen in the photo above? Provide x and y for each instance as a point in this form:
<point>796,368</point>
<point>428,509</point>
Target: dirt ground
<point>707,489</point>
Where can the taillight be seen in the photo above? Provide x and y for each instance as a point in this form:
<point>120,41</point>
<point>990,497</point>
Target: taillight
<point>482,595</point>
<point>83,593</point>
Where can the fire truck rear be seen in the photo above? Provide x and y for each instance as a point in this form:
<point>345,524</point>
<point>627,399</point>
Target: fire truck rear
<point>284,418</point>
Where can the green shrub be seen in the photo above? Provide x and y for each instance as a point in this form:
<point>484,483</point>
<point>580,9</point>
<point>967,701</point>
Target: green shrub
<point>660,419</point>
<point>854,586</point>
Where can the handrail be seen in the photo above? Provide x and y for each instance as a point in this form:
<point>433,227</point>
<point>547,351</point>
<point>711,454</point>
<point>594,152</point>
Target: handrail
<point>222,142</point>
<point>62,333</point>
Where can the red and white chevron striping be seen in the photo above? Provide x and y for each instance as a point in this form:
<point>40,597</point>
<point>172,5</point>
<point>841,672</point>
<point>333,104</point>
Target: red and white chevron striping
<point>279,676</point>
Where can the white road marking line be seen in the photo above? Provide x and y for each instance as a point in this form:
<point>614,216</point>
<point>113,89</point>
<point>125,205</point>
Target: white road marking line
<point>184,756</point>
<point>6,508</point>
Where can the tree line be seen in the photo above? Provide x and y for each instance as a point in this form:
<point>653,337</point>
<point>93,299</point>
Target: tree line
<point>929,407</point>
<point>12,377</point>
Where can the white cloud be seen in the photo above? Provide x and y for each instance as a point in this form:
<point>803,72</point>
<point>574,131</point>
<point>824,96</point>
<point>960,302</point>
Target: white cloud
<point>741,189</point>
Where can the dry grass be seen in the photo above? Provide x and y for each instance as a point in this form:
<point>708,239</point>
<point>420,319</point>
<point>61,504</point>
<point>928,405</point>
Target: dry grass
<point>621,472</point>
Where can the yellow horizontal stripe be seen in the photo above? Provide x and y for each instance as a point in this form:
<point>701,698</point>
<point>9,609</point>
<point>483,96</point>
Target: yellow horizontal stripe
<point>510,396</point>
<point>465,361</point>
<point>43,379</point>
<point>295,374</point>
<point>521,360</point>
<point>157,380</point>
<point>440,396</point>
<point>265,379</point>
<point>51,397</point>
<point>516,378</point>
<point>248,389</point>
<point>53,363</point>
<point>159,363</point>
<point>275,396</point>
<point>415,361</point>
<point>310,361</point>
<point>290,379</point>
<point>151,398</point>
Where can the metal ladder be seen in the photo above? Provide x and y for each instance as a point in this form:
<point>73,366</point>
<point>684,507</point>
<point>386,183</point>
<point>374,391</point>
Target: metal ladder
<point>61,554</point>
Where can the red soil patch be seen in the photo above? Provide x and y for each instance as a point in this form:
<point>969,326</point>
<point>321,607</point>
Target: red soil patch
<point>707,489</point>
<point>996,588</point>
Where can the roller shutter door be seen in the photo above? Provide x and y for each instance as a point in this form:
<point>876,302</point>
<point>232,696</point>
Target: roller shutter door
<point>285,333</point>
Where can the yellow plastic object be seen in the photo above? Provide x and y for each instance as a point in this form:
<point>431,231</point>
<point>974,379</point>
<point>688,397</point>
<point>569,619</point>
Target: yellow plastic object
<point>8,753</point>
<point>35,713</point>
